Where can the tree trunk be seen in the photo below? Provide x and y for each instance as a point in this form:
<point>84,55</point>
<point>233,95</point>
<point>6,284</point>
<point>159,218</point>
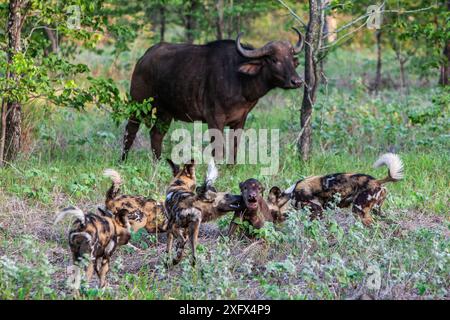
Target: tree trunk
<point>162,23</point>
<point>401,63</point>
<point>313,37</point>
<point>11,111</point>
<point>52,37</point>
<point>404,84</point>
<point>230,21</point>
<point>3,133</point>
<point>377,83</point>
<point>445,66</point>
<point>325,41</point>
<point>219,21</point>
<point>191,20</point>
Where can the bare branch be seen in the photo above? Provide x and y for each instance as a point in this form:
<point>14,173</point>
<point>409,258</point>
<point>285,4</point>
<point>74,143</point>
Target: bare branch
<point>336,42</point>
<point>292,12</point>
<point>382,11</point>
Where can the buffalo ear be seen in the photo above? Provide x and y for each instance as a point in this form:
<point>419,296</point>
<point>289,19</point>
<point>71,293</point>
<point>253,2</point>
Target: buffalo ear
<point>175,168</point>
<point>250,68</point>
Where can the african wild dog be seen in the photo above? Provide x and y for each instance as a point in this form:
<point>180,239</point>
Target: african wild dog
<point>183,217</point>
<point>255,209</point>
<point>278,202</point>
<point>362,191</point>
<point>214,204</point>
<point>148,213</point>
<point>187,209</point>
<point>95,237</point>
<point>142,212</point>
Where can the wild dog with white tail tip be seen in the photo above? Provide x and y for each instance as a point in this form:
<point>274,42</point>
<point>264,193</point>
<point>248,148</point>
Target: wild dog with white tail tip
<point>364,192</point>
<point>143,212</point>
<point>187,209</point>
<point>95,237</point>
<point>150,214</point>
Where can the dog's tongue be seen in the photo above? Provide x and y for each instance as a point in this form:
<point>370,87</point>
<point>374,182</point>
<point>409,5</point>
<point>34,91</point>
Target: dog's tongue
<point>252,205</point>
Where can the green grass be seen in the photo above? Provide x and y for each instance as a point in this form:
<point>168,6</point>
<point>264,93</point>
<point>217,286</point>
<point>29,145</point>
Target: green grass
<point>74,148</point>
<point>328,258</point>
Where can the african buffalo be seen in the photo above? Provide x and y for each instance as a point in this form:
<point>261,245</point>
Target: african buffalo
<point>218,83</point>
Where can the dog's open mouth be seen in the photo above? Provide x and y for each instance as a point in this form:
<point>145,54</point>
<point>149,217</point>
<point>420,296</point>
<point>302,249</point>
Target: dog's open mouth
<point>252,203</point>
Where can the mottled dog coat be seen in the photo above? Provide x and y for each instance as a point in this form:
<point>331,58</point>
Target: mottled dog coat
<point>362,191</point>
<point>142,212</point>
<point>150,214</point>
<point>183,217</point>
<point>95,237</point>
<point>187,209</point>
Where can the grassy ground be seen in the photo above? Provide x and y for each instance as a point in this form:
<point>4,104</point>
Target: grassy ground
<point>334,258</point>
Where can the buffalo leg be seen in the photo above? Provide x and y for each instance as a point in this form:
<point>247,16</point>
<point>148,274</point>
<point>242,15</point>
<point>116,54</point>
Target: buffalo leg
<point>157,134</point>
<point>215,127</point>
<point>237,128</point>
<point>131,130</point>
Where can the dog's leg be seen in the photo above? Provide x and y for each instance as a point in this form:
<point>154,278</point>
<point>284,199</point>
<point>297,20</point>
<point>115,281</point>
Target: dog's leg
<point>169,247</point>
<point>104,271</point>
<point>90,271</point>
<point>380,196</point>
<point>315,208</point>
<point>181,243</point>
<point>193,235</point>
<point>74,280</point>
<point>363,204</point>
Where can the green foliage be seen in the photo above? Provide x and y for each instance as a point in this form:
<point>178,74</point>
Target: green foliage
<point>30,276</point>
<point>329,258</point>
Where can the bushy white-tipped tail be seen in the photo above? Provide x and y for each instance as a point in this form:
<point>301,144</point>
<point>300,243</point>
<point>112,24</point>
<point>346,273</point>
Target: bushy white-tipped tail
<point>290,189</point>
<point>114,176</point>
<point>394,164</point>
<point>70,211</point>
<point>212,173</point>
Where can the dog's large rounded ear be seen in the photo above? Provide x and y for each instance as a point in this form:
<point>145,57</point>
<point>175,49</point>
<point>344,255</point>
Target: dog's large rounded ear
<point>262,188</point>
<point>190,168</point>
<point>122,216</point>
<point>175,168</point>
<point>276,191</point>
<point>274,194</point>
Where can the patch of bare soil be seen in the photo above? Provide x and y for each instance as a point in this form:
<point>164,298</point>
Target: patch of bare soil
<point>19,217</point>
<point>415,220</point>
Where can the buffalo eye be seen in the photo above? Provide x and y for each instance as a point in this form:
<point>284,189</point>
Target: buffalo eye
<point>296,63</point>
<point>274,60</point>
